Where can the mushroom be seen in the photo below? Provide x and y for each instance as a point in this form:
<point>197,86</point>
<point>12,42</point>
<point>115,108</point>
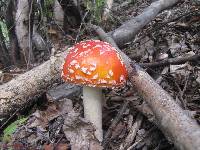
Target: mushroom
<point>95,65</point>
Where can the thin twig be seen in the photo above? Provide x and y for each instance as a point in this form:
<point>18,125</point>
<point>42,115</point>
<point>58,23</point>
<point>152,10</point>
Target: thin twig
<point>114,123</point>
<point>181,92</point>
<point>11,117</point>
<point>79,30</point>
<point>142,138</point>
<point>185,86</point>
<point>56,144</point>
<point>171,61</point>
<point>180,95</point>
<point>133,131</point>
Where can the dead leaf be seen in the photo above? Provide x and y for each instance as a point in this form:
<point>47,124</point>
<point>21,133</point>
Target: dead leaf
<point>181,70</point>
<point>48,147</point>
<point>80,132</point>
<point>60,146</point>
<point>198,79</point>
<point>41,118</point>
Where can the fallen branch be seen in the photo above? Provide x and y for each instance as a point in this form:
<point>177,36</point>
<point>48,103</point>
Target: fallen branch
<point>127,31</point>
<point>171,61</point>
<point>29,85</point>
<point>172,120</point>
<point>144,107</point>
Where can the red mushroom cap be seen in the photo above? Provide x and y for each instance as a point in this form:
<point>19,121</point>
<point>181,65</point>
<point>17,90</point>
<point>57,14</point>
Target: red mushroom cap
<point>94,63</point>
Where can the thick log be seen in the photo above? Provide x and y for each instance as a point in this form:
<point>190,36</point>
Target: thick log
<point>16,93</point>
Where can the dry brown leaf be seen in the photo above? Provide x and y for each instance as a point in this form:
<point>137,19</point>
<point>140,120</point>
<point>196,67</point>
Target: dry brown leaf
<point>60,146</point>
<point>80,132</point>
<point>41,118</point>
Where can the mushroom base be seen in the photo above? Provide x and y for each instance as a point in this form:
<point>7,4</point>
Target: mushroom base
<point>92,101</point>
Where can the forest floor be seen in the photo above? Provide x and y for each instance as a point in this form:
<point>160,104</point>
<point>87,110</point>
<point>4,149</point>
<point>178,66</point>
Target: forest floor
<point>173,34</point>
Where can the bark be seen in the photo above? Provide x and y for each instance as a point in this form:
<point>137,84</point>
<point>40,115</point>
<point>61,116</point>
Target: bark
<point>39,43</point>
<point>72,15</point>
<point>14,48</point>
<point>127,31</point>
<point>58,13</point>
<point>16,93</point>
<point>22,29</point>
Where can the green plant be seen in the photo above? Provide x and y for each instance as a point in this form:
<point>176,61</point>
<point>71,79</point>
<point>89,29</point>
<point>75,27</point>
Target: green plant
<point>48,8</point>
<point>95,7</point>
<point>8,132</point>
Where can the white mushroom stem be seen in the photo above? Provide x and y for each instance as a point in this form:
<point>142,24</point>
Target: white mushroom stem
<point>92,101</point>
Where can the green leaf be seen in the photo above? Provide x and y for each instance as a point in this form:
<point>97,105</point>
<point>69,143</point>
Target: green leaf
<point>8,132</point>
